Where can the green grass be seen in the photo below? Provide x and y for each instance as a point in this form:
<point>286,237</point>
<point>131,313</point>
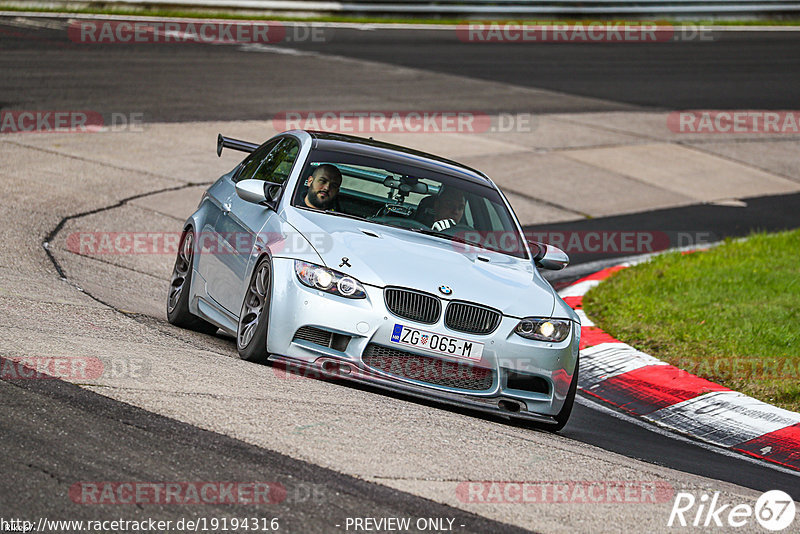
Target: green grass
<point>243,15</point>
<point>730,314</point>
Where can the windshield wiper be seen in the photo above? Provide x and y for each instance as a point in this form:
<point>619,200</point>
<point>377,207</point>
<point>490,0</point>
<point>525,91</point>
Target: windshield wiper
<point>426,231</point>
<point>337,213</point>
<point>346,215</point>
<point>441,234</point>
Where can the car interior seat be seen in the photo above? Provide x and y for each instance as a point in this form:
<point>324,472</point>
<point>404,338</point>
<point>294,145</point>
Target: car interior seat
<point>424,213</point>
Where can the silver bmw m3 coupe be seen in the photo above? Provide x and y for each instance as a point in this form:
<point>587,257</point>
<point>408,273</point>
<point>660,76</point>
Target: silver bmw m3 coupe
<point>373,262</point>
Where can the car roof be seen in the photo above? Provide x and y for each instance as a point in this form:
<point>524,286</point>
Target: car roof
<point>336,142</point>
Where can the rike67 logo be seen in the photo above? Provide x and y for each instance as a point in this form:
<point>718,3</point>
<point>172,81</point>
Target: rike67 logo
<point>774,511</point>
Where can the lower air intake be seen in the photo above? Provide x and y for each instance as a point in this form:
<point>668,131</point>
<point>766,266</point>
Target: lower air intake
<point>428,369</point>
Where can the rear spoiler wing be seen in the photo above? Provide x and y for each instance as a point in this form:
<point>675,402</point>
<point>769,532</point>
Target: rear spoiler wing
<point>236,144</point>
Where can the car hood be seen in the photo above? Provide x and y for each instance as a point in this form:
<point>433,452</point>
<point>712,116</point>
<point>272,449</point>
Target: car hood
<point>384,256</point>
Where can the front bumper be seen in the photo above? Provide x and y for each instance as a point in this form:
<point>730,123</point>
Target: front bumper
<point>367,322</point>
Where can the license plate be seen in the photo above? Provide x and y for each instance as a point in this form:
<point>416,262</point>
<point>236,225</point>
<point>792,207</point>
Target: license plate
<point>437,343</point>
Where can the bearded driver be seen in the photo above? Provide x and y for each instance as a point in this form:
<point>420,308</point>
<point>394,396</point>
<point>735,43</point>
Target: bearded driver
<point>323,186</point>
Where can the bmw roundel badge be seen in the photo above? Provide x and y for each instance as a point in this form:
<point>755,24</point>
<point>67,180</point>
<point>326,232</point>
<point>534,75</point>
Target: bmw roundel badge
<point>445,290</point>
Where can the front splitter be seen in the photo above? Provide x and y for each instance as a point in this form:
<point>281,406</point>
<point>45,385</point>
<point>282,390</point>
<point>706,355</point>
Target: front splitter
<point>364,376</point>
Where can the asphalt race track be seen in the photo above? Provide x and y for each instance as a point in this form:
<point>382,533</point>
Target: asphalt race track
<point>714,70</point>
<point>340,451</point>
<point>748,70</point>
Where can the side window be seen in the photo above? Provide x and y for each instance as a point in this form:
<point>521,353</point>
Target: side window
<point>467,218</point>
<point>252,162</point>
<point>275,168</point>
<point>493,216</point>
<point>499,217</point>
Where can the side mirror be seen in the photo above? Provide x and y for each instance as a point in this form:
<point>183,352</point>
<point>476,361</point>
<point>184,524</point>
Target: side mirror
<point>273,192</point>
<point>259,192</point>
<point>548,257</point>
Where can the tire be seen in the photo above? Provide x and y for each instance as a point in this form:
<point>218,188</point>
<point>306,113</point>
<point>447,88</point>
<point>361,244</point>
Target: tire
<point>563,416</point>
<point>251,332</point>
<point>178,295</point>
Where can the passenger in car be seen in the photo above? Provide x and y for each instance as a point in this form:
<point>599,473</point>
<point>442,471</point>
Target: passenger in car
<point>323,187</point>
<point>448,208</point>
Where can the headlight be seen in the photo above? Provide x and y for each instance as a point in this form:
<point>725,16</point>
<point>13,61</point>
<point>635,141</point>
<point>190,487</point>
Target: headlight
<point>328,280</point>
<point>554,330</point>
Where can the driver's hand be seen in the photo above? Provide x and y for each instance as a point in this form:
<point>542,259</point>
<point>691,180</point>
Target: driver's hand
<point>444,224</point>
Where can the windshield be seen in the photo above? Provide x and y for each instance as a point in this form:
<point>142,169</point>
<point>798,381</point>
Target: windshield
<point>408,197</point>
